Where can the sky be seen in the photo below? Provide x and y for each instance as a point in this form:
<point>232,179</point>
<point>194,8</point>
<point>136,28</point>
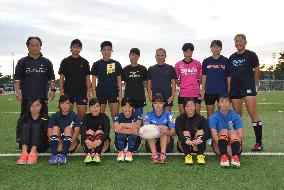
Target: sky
<point>145,24</point>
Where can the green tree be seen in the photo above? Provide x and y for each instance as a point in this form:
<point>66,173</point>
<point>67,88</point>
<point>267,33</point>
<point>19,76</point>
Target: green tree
<point>279,69</point>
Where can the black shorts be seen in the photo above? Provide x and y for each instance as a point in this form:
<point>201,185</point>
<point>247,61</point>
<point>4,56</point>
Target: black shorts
<point>210,99</point>
<point>109,98</point>
<point>195,99</point>
<point>139,103</point>
<point>239,93</point>
<point>79,100</point>
<point>170,146</point>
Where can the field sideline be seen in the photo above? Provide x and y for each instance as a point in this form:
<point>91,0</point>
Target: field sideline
<point>263,171</point>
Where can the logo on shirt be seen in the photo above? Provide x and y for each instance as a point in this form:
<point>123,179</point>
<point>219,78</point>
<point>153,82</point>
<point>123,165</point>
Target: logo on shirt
<point>216,67</point>
<point>188,71</point>
<point>134,74</point>
<point>110,68</point>
<point>172,118</point>
<point>100,127</point>
<point>35,70</point>
<point>239,62</point>
<point>231,125</point>
<point>71,125</point>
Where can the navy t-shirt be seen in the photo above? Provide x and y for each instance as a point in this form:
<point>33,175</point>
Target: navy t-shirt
<point>120,118</point>
<point>75,71</point>
<point>106,73</point>
<point>241,69</point>
<point>34,76</point>
<point>216,71</point>
<point>161,76</point>
<point>134,78</point>
<point>71,120</point>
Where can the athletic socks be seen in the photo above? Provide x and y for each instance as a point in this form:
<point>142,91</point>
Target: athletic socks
<point>53,144</point>
<point>235,144</point>
<point>67,140</point>
<point>257,126</point>
<point>222,144</point>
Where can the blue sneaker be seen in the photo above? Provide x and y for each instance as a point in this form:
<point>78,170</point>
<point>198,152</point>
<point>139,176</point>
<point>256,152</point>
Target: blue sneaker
<point>62,159</point>
<point>53,159</point>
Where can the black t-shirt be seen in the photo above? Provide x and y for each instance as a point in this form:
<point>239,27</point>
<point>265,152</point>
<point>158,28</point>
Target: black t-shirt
<point>34,76</point>
<point>241,69</point>
<point>191,124</point>
<point>161,76</point>
<point>100,122</point>
<point>75,71</point>
<point>106,72</point>
<point>134,78</point>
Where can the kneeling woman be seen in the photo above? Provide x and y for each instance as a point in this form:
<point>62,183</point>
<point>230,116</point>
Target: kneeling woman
<point>166,122</point>
<point>33,136</point>
<point>227,132</point>
<point>94,132</point>
<point>126,125</point>
<point>193,131</point>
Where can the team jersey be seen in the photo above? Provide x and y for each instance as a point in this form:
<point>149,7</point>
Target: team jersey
<point>241,69</point>
<point>188,75</point>
<point>230,121</point>
<point>166,119</point>
<point>120,118</point>
<point>71,120</point>
<point>216,72</point>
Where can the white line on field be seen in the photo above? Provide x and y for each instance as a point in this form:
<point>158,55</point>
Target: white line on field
<point>148,154</point>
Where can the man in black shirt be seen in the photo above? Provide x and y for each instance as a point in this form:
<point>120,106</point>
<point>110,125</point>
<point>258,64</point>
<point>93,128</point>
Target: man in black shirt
<point>108,74</point>
<point>162,79</point>
<point>135,78</point>
<point>74,74</point>
<point>244,72</point>
<point>33,75</point>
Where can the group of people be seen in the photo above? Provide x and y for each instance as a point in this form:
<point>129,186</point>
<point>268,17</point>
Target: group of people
<point>222,80</point>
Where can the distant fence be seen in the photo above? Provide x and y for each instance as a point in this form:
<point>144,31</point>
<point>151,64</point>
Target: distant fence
<point>271,85</point>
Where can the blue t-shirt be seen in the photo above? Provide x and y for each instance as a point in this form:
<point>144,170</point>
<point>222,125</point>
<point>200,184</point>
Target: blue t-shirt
<point>241,70</point>
<point>216,71</point>
<point>166,119</point>
<point>71,120</point>
<point>161,76</point>
<point>120,118</point>
<point>230,121</point>
<point>106,72</point>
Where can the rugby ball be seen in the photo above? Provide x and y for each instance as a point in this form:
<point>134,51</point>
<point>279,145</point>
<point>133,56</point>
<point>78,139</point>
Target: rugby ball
<point>149,131</point>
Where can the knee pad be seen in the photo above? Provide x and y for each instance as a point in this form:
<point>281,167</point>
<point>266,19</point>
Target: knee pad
<point>90,137</point>
<point>234,141</point>
<point>67,138</point>
<point>223,137</point>
<point>199,137</point>
<point>99,136</point>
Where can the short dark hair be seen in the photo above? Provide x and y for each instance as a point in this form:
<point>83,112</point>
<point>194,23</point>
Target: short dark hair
<point>127,100</point>
<point>188,46</point>
<point>106,43</point>
<point>157,98</point>
<point>64,98</point>
<point>31,38</point>
<point>76,42</point>
<point>93,101</point>
<point>224,96</point>
<point>188,100</point>
<point>135,51</point>
<point>161,49</point>
<point>216,43</point>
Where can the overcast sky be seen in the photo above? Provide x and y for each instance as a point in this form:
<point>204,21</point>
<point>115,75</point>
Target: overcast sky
<point>145,24</point>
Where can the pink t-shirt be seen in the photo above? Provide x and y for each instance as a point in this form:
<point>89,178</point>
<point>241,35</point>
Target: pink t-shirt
<point>188,75</point>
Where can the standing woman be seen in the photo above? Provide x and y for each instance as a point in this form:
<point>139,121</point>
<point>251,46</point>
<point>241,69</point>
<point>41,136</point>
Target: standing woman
<point>244,78</point>
<point>33,135</point>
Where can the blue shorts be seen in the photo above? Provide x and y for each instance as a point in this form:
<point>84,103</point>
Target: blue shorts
<point>239,93</point>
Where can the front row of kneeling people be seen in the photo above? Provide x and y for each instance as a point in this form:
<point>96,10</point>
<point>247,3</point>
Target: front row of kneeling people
<point>63,128</point>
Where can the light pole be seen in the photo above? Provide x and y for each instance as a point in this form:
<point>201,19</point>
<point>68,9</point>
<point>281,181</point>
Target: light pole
<point>13,73</point>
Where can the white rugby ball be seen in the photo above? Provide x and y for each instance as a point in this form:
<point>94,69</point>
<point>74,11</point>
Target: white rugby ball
<point>149,131</point>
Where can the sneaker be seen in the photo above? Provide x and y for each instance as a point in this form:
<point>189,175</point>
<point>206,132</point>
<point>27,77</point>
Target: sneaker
<point>257,147</point>
<point>88,159</point>
<point>32,159</point>
<point>155,158</point>
<point>62,159</point>
<point>235,162</point>
<point>129,156</point>
<point>201,159</point>
<point>120,156</point>
<point>188,160</point>
<point>97,158</point>
<point>53,159</point>
<point>163,158</point>
<point>23,159</point>
<point>224,161</point>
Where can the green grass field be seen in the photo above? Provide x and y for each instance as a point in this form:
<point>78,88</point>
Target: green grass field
<point>257,172</point>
